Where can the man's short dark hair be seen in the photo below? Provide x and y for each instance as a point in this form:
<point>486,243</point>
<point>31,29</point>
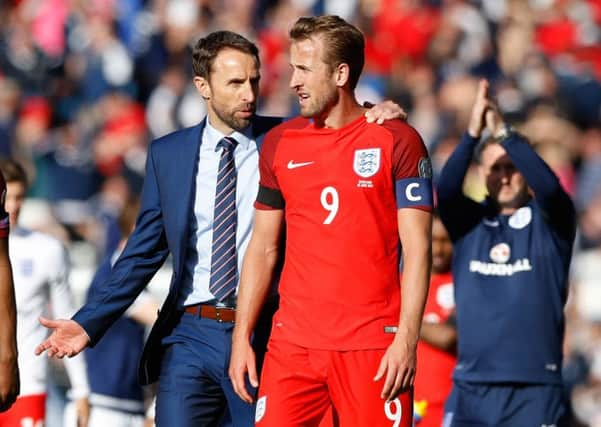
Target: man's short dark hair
<point>344,43</point>
<point>207,48</point>
<point>12,171</point>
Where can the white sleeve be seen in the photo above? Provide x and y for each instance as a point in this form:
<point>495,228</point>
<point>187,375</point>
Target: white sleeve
<point>61,300</point>
<point>76,369</point>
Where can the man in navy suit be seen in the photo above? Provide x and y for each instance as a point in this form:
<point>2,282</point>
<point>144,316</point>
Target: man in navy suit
<point>195,205</point>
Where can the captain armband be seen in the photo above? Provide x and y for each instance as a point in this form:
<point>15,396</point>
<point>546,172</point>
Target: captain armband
<point>414,193</point>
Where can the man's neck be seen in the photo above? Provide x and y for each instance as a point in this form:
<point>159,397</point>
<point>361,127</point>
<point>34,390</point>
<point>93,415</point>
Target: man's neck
<point>343,112</point>
<point>218,124</point>
<point>510,209</point>
<point>507,210</point>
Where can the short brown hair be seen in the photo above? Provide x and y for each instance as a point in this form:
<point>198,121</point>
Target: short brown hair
<point>207,48</point>
<point>12,171</point>
<point>344,42</point>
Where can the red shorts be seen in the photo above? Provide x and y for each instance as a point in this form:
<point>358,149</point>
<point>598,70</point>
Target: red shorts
<point>26,411</point>
<point>429,415</point>
<point>298,387</point>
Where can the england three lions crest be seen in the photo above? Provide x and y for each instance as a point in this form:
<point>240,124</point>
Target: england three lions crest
<point>367,162</point>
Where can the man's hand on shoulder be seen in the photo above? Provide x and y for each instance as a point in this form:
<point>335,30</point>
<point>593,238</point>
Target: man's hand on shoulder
<point>68,338</point>
<point>386,110</point>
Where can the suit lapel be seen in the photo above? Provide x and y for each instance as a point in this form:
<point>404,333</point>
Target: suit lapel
<point>185,169</point>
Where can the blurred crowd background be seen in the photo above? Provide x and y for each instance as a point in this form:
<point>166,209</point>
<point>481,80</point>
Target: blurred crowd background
<point>85,85</point>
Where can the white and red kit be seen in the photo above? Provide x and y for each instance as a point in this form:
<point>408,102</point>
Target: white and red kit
<point>40,272</point>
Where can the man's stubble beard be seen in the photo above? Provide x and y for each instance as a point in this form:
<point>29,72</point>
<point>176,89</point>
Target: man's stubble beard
<point>238,124</point>
<point>321,105</point>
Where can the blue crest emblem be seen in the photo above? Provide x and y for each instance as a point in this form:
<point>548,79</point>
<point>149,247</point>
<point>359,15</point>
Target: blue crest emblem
<point>367,162</point>
<point>26,267</point>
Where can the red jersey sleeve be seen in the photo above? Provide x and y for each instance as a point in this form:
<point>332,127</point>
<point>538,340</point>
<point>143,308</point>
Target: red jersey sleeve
<point>411,168</point>
<point>4,223</point>
<point>270,196</point>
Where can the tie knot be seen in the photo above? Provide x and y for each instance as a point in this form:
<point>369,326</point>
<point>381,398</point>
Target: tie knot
<point>228,143</point>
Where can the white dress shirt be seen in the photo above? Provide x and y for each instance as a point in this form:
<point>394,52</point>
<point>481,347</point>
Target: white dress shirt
<point>197,269</point>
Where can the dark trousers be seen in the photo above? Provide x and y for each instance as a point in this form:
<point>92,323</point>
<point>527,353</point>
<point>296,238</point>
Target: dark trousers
<point>505,405</point>
<point>194,386</point>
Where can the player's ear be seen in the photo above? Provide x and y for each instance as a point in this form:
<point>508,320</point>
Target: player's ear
<point>341,74</point>
<point>203,87</point>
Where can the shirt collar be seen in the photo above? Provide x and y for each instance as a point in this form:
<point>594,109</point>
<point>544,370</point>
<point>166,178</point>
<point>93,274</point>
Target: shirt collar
<point>212,136</point>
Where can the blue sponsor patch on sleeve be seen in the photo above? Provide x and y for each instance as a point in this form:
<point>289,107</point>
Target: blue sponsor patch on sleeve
<point>414,193</point>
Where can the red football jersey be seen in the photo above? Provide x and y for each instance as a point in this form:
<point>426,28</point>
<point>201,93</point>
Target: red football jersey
<point>434,367</point>
<point>340,285</point>
<point>4,223</point>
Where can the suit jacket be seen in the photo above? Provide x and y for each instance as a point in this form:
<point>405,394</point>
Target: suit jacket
<point>162,226</point>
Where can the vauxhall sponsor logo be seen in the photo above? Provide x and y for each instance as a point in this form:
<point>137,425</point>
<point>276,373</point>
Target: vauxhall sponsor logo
<point>492,269</point>
<point>500,254</point>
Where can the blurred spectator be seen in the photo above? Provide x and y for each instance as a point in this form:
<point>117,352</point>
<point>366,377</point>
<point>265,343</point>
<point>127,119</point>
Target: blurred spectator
<point>173,103</point>
<point>9,104</point>
<point>511,265</point>
<point>20,57</point>
<point>117,399</point>
<point>437,347</point>
<point>67,176</point>
<point>583,343</point>
<point>41,272</point>
<point>120,145</point>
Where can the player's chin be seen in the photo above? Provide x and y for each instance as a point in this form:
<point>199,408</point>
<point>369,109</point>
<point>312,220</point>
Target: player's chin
<point>306,111</point>
<point>507,198</point>
<point>501,196</point>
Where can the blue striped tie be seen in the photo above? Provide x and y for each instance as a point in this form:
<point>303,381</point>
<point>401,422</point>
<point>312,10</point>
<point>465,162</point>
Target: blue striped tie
<point>224,263</point>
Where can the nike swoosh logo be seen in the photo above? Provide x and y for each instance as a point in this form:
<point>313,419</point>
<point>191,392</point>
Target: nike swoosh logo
<point>292,165</point>
<point>490,223</point>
